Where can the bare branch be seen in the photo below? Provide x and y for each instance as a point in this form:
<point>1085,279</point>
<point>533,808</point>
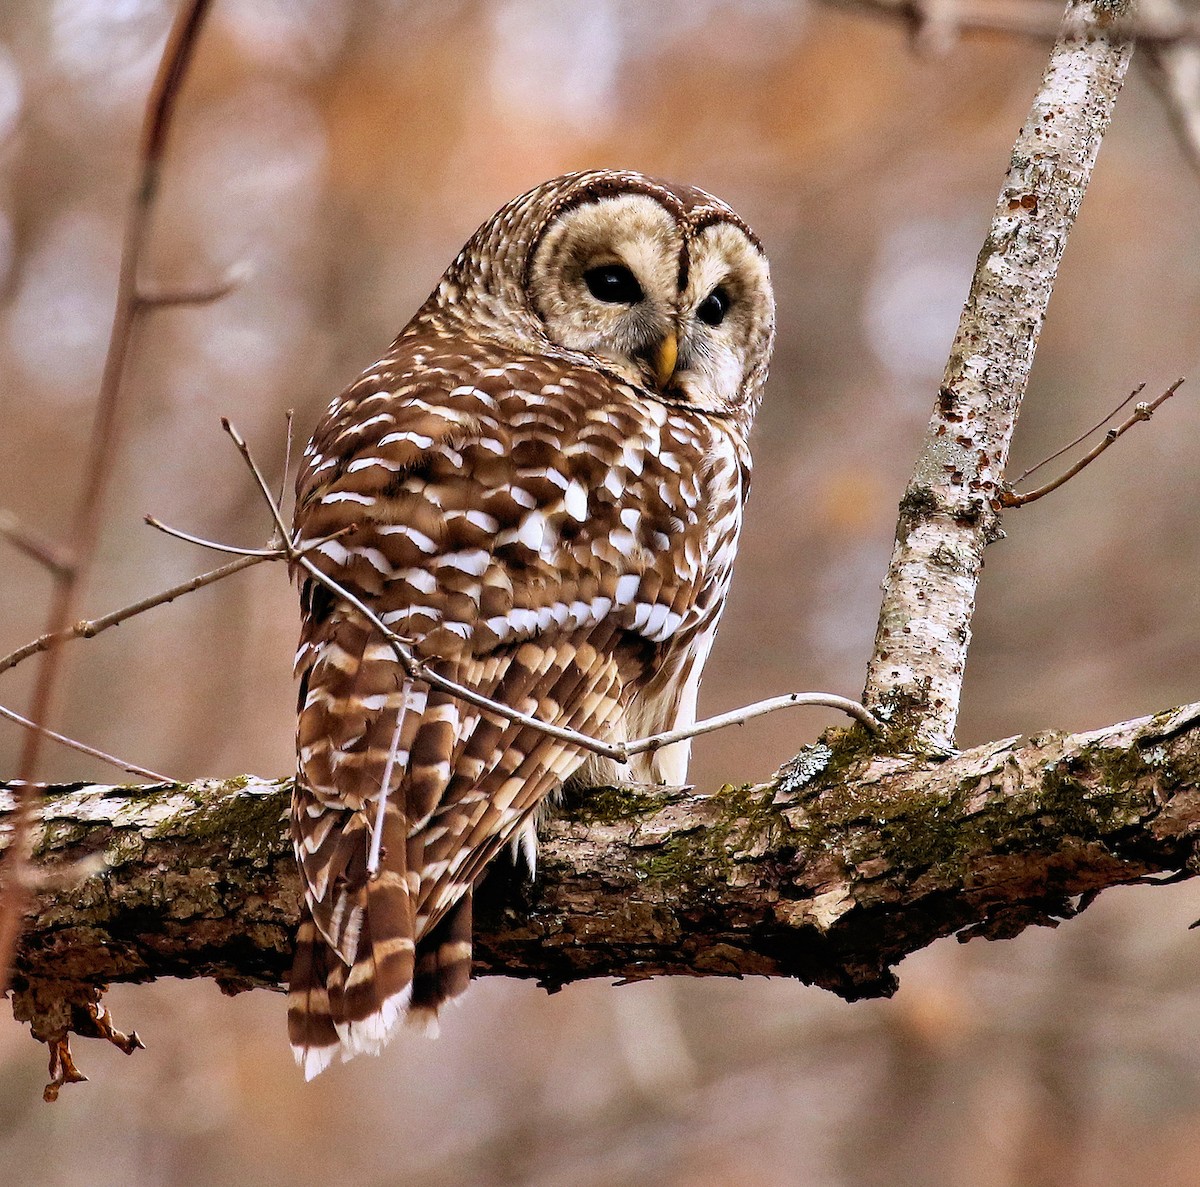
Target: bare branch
<point>1035,19</point>
<point>284,535</point>
<point>1137,391</point>
<point>1174,73</point>
<point>949,510</point>
<point>84,748</point>
<point>289,416</point>
<point>88,628</point>
<point>262,554</point>
<point>749,713</point>
<point>33,544</point>
<point>419,669</point>
<point>1167,33</point>
<point>181,42</point>
<point>618,751</point>
<point>1141,412</point>
<point>151,298</point>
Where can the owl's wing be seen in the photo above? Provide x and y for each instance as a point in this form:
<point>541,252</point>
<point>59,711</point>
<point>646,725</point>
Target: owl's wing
<point>540,536</point>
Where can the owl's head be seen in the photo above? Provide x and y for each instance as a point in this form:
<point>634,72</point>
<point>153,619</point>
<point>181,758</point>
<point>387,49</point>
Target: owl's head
<point>663,286</point>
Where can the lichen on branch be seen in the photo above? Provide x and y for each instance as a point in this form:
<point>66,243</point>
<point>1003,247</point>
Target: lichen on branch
<point>846,862</point>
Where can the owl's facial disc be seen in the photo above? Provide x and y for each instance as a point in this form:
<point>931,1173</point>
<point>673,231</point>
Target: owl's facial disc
<point>687,314</point>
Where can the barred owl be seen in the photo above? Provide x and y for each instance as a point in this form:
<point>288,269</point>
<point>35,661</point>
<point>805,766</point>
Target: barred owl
<point>540,485</point>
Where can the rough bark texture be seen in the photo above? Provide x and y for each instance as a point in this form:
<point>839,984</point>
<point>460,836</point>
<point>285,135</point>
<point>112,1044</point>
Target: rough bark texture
<point>831,874</point>
<point>948,514</point>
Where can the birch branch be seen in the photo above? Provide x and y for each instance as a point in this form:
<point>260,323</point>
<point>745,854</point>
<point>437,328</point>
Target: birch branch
<point>1142,412</point>
<point>949,510</point>
<point>831,874</point>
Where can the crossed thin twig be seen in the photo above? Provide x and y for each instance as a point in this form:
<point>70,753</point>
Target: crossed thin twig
<point>1142,411</point>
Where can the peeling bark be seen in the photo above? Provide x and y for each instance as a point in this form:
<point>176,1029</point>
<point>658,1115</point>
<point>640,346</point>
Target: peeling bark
<point>831,874</point>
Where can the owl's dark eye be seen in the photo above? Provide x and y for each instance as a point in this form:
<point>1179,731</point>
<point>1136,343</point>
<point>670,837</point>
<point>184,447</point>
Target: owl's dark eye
<point>713,308</point>
<point>613,283</point>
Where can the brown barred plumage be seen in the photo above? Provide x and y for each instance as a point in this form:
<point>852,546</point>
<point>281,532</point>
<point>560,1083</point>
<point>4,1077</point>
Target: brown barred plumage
<point>540,485</point>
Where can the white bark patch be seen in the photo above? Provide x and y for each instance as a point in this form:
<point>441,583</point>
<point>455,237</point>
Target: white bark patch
<point>950,510</point>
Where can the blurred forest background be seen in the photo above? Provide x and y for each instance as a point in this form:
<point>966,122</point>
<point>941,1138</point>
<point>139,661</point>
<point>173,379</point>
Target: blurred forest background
<point>341,152</point>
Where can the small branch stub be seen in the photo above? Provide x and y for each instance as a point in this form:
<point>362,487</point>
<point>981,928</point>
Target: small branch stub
<point>1142,411</point>
<point>55,1011</point>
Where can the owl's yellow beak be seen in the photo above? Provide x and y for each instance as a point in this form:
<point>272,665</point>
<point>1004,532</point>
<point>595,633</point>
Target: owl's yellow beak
<point>664,358</point>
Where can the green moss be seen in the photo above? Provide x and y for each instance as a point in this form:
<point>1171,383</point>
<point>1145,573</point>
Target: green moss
<point>748,816</point>
<point>741,823</point>
<point>819,806</point>
<point>60,834</point>
<point>249,825</point>
<point>612,805</point>
<point>133,793</point>
<point>938,830</point>
<point>919,500</point>
<point>684,858</point>
<point>1119,768</point>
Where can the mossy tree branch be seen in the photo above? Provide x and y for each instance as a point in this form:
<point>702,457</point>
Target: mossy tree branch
<point>832,873</point>
<point>857,854</point>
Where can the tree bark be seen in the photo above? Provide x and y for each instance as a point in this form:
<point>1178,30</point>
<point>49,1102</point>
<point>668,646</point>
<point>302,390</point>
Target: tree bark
<point>832,873</point>
<point>950,510</point>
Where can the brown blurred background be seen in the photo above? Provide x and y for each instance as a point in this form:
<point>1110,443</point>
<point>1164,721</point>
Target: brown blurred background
<point>342,152</point>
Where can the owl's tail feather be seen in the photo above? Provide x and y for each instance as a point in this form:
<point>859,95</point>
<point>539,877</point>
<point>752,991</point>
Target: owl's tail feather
<point>335,1008</point>
<point>443,969</point>
<point>311,1032</point>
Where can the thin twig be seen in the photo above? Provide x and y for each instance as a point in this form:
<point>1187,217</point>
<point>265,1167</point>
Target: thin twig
<point>623,752</point>
<point>87,628</point>
<point>263,554</point>
<point>1137,391</point>
<point>412,666</point>
<point>375,852</point>
<point>1168,36</point>
<point>1026,18</point>
<point>33,544</point>
<point>1174,73</point>
<point>150,298</point>
<point>618,751</point>
<point>1142,411</point>
<point>97,469</point>
<point>289,416</point>
<point>84,748</point>
<point>749,713</point>
<point>419,670</point>
<point>248,458</point>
